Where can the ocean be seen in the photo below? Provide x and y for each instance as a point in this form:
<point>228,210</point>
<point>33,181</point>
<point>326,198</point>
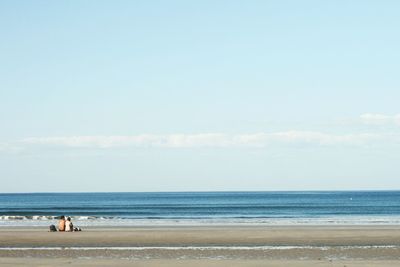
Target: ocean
<point>203,208</point>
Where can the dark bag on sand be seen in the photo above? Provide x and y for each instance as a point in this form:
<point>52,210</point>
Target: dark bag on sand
<point>53,228</point>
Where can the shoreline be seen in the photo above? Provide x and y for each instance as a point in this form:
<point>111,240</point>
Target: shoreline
<point>203,235</point>
<point>203,246</point>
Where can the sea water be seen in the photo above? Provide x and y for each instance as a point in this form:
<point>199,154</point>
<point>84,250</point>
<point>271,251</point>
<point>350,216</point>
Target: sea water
<point>203,208</point>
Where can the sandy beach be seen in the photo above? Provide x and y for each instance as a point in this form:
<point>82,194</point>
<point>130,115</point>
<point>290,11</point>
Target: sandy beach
<point>204,246</point>
<point>193,263</point>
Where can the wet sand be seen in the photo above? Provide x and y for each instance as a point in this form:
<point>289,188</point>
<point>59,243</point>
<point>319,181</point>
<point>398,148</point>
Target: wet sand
<point>204,246</point>
<point>193,263</point>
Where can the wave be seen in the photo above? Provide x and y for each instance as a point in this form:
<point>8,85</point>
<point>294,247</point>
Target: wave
<point>45,220</point>
<point>45,217</point>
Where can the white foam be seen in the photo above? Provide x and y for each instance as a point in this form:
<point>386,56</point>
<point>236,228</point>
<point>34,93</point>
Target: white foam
<point>83,221</point>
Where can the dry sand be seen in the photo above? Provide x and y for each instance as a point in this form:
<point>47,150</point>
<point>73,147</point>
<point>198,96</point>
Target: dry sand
<point>184,246</point>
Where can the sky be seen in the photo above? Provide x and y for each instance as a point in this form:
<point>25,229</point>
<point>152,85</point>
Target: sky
<point>199,95</point>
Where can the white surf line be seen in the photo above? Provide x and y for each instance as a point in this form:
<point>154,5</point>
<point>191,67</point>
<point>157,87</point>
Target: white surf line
<point>203,248</point>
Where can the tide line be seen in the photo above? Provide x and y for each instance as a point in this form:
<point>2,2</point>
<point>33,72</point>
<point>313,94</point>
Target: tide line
<point>203,248</point>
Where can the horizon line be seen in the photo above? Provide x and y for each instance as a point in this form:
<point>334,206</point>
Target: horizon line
<point>211,191</point>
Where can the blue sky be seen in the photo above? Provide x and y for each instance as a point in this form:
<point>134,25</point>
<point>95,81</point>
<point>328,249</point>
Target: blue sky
<point>206,95</point>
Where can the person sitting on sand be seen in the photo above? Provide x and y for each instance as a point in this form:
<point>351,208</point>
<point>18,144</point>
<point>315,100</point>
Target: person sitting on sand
<point>61,224</point>
<point>69,227</point>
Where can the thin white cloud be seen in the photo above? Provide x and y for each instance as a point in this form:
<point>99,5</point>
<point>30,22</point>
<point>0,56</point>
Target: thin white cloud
<point>209,140</point>
<point>380,119</point>
<point>10,147</point>
<point>144,140</point>
<point>261,139</point>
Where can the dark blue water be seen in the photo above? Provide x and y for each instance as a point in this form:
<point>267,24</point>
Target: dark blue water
<point>203,205</point>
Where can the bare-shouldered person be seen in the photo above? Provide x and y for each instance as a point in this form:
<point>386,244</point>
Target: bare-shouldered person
<point>61,224</point>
